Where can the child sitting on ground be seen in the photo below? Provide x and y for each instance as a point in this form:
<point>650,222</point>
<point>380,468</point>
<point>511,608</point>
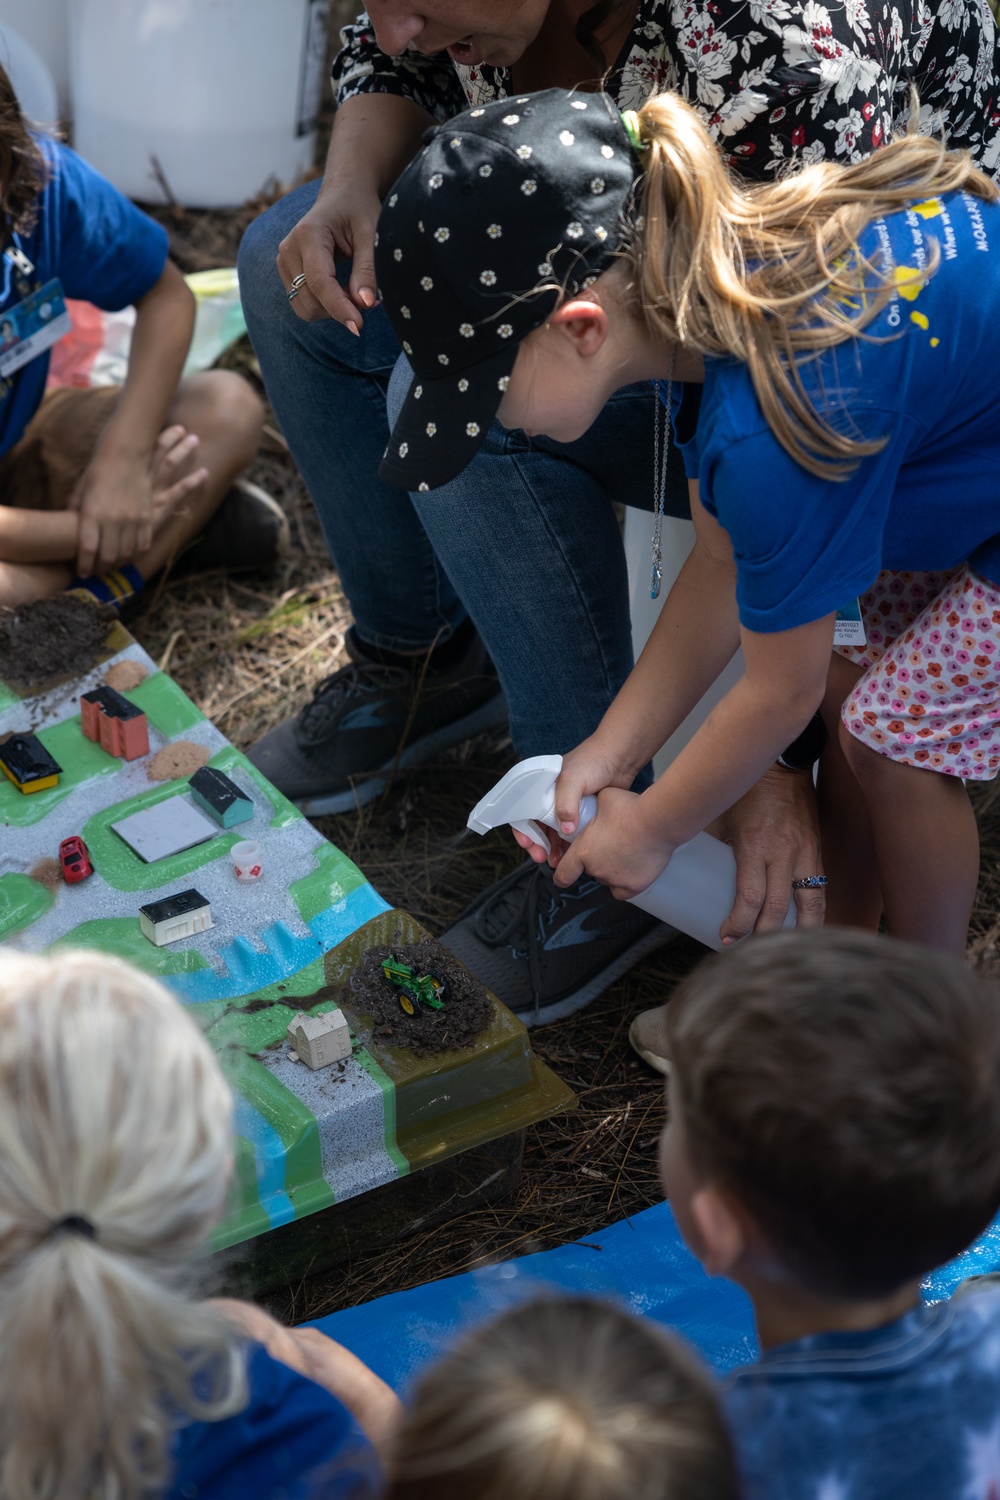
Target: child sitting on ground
<point>108,482</point>
<point>563,1400</point>
<point>115,1152</point>
<point>834,1120</point>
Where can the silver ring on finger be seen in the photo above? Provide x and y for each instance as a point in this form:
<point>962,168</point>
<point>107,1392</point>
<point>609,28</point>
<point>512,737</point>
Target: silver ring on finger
<point>810,883</point>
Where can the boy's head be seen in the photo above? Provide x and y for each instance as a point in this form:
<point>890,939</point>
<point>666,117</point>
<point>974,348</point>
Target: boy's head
<point>22,166</point>
<point>564,1400</point>
<point>836,1096</point>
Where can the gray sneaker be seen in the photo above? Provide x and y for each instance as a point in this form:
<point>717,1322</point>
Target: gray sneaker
<point>546,952</point>
<point>371,718</point>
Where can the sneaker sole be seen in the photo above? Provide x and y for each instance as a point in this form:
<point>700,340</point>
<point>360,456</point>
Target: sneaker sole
<point>247,487</point>
<point>558,1010</point>
<point>352,798</point>
<point>652,1059</point>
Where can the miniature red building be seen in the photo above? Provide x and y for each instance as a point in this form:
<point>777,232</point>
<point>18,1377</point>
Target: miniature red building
<point>112,722</point>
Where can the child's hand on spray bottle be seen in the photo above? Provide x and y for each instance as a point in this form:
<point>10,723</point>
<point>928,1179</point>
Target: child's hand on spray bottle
<point>588,769</point>
<point>622,847</point>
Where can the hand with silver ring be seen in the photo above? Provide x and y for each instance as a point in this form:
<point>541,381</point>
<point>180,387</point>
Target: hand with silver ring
<point>810,883</point>
<point>298,282</point>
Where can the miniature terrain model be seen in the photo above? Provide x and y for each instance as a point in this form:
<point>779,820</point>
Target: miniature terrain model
<point>165,828</point>
<point>175,917</point>
<point>117,725</point>
<point>25,761</point>
<point>320,1040</point>
<point>421,1115</point>
<point>220,797</point>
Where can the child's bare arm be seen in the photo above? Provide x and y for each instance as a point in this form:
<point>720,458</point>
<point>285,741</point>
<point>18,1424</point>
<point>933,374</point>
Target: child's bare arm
<point>114,497</point>
<point>38,536</point>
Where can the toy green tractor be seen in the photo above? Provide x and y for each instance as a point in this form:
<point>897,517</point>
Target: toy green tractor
<point>415,990</point>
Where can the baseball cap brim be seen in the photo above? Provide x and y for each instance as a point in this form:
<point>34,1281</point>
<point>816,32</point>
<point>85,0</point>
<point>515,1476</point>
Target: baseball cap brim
<point>444,423</point>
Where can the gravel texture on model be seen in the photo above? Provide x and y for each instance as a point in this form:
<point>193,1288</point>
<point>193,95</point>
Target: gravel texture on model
<point>52,639</point>
<point>465,1015</point>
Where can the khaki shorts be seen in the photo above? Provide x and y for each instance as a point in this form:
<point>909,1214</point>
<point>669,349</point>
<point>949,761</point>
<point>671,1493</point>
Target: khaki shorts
<point>40,472</point>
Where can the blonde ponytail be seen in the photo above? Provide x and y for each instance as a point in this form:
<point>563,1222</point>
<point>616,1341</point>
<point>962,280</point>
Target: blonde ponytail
<point>769,274</point>
<point>115,1145</point>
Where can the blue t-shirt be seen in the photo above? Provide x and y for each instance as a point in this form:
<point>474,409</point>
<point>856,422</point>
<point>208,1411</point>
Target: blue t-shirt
<point>102,248</point>
<point>292,1441</point>
<point>909,1411</point>
<point>931,498</point>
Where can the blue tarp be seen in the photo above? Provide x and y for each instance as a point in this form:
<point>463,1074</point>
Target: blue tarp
<point>640,1262</point>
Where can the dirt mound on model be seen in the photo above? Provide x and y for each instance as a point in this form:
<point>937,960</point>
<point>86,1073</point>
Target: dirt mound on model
<point>53,639</point>
<point>464,1016</point>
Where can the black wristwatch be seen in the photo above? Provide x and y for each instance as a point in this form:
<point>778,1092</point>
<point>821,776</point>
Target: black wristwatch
<point>803,753</point>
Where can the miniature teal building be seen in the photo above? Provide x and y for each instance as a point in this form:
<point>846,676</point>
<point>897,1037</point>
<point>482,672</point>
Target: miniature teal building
<point>220,797</point>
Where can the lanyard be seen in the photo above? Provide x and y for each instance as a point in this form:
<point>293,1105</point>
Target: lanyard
<point>22,267</point>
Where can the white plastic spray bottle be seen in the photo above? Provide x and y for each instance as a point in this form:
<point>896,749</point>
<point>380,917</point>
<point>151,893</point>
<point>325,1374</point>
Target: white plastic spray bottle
<point>696,891</point>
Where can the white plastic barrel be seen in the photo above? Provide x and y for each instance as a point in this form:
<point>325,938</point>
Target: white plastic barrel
<point>32,81</point>
<point>224,94</point>
<point>43,25</point>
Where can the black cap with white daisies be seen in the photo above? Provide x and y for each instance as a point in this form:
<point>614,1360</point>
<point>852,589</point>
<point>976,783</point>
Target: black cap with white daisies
<point>505,208</point>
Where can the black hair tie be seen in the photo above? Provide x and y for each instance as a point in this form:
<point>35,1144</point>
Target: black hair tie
<point>74,1224</point>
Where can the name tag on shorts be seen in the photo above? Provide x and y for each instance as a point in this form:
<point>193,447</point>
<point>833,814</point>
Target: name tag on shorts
<point>32,326</point>
<point>849,629</point>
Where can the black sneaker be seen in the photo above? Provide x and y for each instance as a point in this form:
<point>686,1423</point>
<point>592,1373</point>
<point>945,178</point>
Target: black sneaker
<point>371,718</point>
<point>249,532</point>
<point>546,952</point>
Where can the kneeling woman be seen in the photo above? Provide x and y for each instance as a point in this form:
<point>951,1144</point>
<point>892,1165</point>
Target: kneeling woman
<point>540,253</point>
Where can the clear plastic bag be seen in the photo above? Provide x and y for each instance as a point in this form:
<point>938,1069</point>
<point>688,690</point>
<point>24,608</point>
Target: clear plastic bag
<point>96,351</point>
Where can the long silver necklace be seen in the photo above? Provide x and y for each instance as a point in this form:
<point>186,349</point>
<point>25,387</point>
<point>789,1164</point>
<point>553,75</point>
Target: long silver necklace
<point>661,451</point>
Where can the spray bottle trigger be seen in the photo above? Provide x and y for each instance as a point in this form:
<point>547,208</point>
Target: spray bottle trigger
<point>534,831</point>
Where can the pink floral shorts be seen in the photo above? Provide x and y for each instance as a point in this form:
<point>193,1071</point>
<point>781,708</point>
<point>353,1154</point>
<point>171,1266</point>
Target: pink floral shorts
<point>930,694</point>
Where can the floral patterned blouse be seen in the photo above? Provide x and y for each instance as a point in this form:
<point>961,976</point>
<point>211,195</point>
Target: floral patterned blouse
<point>777,81</point>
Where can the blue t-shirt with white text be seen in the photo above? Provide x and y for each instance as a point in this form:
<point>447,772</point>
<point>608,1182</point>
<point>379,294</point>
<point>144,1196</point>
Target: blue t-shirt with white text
<point>929,382</point>
<point>908,1411</point>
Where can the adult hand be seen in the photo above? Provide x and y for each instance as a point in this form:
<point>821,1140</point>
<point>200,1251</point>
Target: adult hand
<point>586,770</point>
<point>620,848</point>
<point>774,833</point>
<point>341,222</point>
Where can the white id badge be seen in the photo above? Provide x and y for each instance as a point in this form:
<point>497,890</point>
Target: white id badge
<point>849,629</point>
<point>30,327</point>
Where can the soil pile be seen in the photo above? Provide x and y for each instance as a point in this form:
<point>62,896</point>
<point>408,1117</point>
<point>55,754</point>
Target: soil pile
<point>178,760</point>
<point>125,675</point>
<point>465,1015</point>
<point>43,643</point>
<point>47,872</point>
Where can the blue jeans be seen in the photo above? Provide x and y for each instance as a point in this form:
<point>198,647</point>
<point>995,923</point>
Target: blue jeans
<point>525,541</point>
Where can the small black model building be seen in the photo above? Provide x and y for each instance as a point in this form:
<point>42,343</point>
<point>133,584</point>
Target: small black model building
<point>175,917</point>
<point>25,761</point>
<point>221,798</point>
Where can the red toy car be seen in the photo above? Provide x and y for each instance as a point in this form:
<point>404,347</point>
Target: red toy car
<point>75,860</point>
